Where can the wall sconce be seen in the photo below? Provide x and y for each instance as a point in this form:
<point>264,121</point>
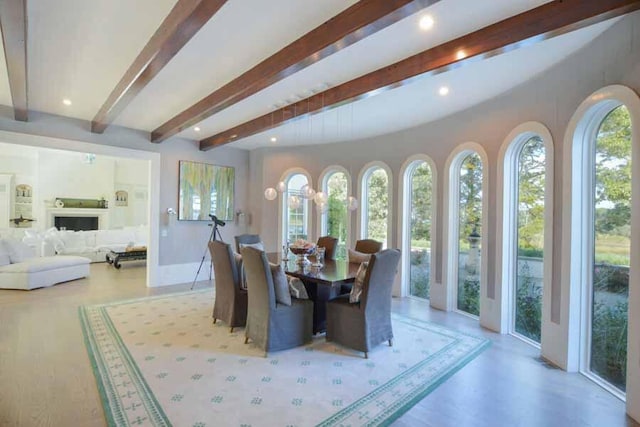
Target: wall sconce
<point>171,212</point>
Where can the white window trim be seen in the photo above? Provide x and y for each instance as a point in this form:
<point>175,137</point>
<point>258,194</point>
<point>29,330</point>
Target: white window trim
<point>283,203</point>
<point>405,226</point>
<point>450,261</point>
<point>569,336</point>
<point>323,180</point>
<point>362,218</point>
<point>506,230</point>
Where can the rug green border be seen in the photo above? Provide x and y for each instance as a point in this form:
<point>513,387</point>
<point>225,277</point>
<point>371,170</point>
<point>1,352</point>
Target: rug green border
<point>161,418</point>
<point>388,419</point>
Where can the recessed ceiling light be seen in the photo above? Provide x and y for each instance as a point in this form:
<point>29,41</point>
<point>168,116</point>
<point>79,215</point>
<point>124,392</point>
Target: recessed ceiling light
<point>274,139</point>
<point>426,22</point>
<point>66,101</point>
<point>444,91</point>
<point>197,129</point>
<point>461,54</point>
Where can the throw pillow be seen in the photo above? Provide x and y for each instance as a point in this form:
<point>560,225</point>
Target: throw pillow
<point>358,257</point>
<point>297,289</point>
<point>356,289</point>
<point>240,266</point>
<point>259,246</point>
<point>18,251</point>
<point>280,284</point>
<point>4,255</point>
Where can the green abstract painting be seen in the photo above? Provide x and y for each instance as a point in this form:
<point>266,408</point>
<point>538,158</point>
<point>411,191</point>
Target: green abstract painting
<point>205,190</point>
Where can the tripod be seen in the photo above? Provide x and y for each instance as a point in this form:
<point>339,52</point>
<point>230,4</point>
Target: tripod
<point>215,235</point>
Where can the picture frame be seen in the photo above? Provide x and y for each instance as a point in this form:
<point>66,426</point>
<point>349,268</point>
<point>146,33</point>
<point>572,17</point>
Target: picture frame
<point>204,190</point>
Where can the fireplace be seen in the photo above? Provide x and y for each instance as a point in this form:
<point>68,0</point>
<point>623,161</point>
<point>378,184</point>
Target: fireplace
<point>76,223</point>
<point>84,218</point>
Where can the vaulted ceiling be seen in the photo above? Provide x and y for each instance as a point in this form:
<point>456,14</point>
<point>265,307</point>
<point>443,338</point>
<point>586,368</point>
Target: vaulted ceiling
<point>246,72</point>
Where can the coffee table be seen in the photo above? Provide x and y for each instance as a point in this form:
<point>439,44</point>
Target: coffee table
<point>116,257</point>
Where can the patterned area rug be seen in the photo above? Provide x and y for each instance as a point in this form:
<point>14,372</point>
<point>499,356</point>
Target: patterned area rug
<point>160,361</point>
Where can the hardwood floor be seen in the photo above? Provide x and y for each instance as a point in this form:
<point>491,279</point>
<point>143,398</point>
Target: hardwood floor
<point>46,378</point>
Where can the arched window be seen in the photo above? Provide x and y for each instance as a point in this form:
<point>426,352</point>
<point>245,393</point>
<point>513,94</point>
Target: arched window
<point>602,137</point>
<point>335,221</point>
<point>602,185</point>
<point>526,235</point>
<point>295,221</point>
<point>375,217</point>
<point>417,219</point>
<point>469,234</point>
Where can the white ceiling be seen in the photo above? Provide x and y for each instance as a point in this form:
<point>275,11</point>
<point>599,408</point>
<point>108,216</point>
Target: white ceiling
<point>80,49</point>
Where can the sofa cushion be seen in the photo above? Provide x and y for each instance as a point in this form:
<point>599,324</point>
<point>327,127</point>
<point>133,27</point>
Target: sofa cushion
<point>4,254</point>
<point>18,251</point>
<point>35,265</point>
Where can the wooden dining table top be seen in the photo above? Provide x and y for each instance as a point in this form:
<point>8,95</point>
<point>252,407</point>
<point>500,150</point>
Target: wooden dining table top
<point>331,273</point>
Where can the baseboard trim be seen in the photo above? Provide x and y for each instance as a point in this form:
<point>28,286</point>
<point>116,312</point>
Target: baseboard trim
<point>174,274</point>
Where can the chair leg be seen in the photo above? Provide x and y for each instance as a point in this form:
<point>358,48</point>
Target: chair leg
<point>366,355</point>
<point>246,339</point>
<point>391,343</point>
<point>231,330</point>
<point>214,320</point>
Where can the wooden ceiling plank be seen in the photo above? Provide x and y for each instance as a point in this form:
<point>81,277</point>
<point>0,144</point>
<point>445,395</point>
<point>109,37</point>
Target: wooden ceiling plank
<point>544,22</point>
<point>353,24</point>
<point>13,22</point>
<point>186,18</point>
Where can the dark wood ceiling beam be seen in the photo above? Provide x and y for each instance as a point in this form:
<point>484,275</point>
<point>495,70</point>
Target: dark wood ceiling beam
<point>353,24</point>
<point>186,18</point>
<point>13,22</point>
<point>544,22</point>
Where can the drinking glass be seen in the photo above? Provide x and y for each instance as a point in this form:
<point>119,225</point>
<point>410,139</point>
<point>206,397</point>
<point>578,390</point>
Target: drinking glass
<point>319,256</point>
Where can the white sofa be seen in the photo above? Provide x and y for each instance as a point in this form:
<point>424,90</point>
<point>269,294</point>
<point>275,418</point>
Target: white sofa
<point>21,269</point>
<point>94,244</point>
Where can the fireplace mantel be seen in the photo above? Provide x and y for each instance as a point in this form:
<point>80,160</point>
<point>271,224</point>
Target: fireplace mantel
<point>102,214</point>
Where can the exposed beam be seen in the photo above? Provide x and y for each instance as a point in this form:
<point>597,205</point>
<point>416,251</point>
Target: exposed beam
<point>185,19</point>
<point>13,22</point>
<point>353,24</point>
<point>544,22</point>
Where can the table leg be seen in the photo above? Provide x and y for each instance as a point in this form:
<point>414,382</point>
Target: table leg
<point>320,294</point>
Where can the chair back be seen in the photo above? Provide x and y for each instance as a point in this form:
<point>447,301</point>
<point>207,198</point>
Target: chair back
<point>378,281</point>
<point>262,297</point>
<point>368,246</point>
<point>246,239</point>
<point>329,244</point>
<point>225,269</point>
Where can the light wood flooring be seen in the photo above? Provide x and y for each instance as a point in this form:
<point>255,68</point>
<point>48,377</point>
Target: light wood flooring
<point>46,378</point>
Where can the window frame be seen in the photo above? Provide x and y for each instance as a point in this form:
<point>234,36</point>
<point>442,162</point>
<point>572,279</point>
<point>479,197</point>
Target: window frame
<point>363,177</point>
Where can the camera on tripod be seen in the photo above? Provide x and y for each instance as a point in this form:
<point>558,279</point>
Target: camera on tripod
<point>217,221</point>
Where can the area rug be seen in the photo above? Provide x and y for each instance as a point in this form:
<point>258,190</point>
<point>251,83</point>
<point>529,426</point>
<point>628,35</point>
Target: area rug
<point>160,361</point>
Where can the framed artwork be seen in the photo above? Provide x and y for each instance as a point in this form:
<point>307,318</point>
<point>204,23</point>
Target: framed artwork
<point>205,190</point>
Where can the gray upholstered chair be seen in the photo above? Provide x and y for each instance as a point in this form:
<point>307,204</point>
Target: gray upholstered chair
<point>270,325</point>
<point>368,246</point>
<point>329,244</point>
<point>363,325</point>
<point>230,303</point>
<point>246,239</point>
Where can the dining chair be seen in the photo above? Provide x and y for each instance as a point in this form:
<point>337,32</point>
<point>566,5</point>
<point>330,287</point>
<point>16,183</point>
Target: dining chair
<point>368,246</point>
<point>329,244</point>
<point>272,326</point>
<point>230,304</point>
<point>364,324</point>
<point>246,239</point>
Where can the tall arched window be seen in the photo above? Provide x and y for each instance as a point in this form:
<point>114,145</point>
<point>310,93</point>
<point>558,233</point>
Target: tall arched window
<point>296,209</point>
<point>375,204</point>
<point>524,252</point>
<point>335,221</point>
<point>417,220</point>
<point>610,210</point>
<point>469,234</point>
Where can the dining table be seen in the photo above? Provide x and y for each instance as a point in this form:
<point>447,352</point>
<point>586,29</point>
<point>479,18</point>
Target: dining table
<point>322,283</point>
